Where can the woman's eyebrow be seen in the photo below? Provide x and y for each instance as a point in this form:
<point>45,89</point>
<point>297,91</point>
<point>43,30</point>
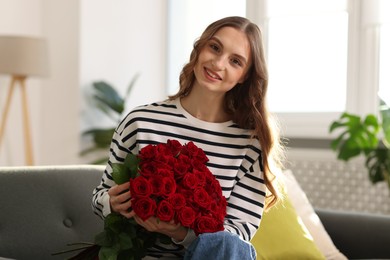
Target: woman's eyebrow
<point>244,60</point>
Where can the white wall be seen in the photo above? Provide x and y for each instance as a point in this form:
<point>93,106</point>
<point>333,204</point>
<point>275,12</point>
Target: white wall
<point>120,39</point>
<point>88,40</point>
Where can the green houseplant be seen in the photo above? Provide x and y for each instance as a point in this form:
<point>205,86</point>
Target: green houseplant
<point>369,136</point>
<point>112,104</point>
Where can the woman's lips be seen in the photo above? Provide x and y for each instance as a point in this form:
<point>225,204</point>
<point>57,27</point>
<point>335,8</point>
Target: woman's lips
<point>212,74</point>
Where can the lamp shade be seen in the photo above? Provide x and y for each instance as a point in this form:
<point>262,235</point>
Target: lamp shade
<point>23,56</point>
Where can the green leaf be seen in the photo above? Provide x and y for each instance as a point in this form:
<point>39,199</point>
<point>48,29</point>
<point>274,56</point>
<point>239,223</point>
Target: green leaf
<point>125,241</point>
<point>120,173</point>
<point>131,163</point>
<point>358,135</point>
<point>114,222</point>
<point>103,239</point>
<point>101,137</point>
<point>108,253</point>
<point>108,96</point>
<point>378,164</point>
<point>385,114</point>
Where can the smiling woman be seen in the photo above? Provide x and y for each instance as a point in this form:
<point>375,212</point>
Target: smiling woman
<point>220,108</point>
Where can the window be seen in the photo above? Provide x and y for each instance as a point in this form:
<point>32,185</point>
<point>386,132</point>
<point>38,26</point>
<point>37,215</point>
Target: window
<point>323,60</point>
<point>307,57</point>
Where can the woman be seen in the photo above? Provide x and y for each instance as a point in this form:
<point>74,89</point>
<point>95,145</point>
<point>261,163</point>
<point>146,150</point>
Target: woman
<point>221,107</point>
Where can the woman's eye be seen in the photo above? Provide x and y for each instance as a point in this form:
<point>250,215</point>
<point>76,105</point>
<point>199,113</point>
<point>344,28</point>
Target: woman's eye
<point>214,47</point>
<point>236,62</point>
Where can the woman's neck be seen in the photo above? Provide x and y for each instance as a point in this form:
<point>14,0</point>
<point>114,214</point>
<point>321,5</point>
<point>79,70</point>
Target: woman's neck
<point>209,109</point>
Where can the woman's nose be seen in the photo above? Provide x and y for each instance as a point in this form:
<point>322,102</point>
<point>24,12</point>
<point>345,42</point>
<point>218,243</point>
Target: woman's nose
<point>219,62</point>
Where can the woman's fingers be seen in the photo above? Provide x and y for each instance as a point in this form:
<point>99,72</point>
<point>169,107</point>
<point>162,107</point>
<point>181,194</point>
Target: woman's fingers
<point>118,189</point>
<point>120,198</point>
<point>153,224</point>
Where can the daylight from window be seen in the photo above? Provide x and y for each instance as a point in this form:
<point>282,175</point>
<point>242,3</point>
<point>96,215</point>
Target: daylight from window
<point>307,56</point>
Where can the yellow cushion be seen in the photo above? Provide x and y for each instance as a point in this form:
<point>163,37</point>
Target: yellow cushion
<point>282,235</point>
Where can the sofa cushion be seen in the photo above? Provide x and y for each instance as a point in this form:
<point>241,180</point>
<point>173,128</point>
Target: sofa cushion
<point>282,235</point>
<point>310,219</point>
<point>44,208</point>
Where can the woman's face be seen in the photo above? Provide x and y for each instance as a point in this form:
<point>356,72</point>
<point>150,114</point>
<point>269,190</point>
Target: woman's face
<point>224,61</point>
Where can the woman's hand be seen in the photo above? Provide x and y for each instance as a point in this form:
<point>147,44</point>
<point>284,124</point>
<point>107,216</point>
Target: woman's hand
<point>120,199</point>
<point>171,229</point>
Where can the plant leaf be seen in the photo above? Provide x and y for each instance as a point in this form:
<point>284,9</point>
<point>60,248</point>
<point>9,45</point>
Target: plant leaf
<point>101,137</point>
<point>103,239</point>
<point>108,96</point>
<point>378,164</point>
<point>109,253</point>
<point>385,114</point>
<point>120,173</point>
<point>125,241</point>
<point>358,136</point>
<point>131,163</point>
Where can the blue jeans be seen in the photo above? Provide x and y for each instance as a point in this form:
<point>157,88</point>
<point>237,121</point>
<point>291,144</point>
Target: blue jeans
<point>221,245</point>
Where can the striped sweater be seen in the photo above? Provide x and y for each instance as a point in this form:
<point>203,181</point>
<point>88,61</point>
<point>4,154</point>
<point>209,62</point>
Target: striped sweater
<point>234,158</point>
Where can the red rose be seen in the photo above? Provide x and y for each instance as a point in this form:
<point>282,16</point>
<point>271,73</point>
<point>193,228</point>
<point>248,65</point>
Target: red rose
<point>200,175</point>
<point>148,169</point>
<point>207,224</point>
<point>180,169</point>
<point>148,152</point>
<point>175,147</point>
<point>177,201</point>
<point>222,204</point>
<point>165,172</point>
<point>187,193</point>
<point>165,211</point>
<point>162,149</point>
<point>157,185</point>
<point>169,186</point>
<point>140,187</point>
<point>202,198</point>
<point>190,181</point>
<point>218,209</point>
<point>198,165</point>
<point>144,207</point>
<point>165,158</point>
<point>186,216</point>
<point>214,189</point>
<point>195,152</point>
<point>184,159</point>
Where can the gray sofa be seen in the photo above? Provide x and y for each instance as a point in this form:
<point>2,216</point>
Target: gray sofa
<point>44,208</point>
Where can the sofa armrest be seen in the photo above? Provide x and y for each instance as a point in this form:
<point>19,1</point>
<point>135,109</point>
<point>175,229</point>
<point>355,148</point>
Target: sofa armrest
<point>358,235</point>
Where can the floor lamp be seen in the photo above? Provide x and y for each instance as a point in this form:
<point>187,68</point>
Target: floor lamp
<point>22,57</point>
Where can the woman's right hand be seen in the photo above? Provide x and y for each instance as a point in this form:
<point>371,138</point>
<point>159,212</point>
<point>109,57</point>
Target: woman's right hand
<point>120,199</point>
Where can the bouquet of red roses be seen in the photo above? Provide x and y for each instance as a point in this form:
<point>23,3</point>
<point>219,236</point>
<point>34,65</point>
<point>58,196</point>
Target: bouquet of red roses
<point>169,181</point>
<point>174,183</point>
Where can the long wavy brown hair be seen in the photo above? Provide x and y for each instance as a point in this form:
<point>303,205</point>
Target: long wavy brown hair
<point>245,102</point>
